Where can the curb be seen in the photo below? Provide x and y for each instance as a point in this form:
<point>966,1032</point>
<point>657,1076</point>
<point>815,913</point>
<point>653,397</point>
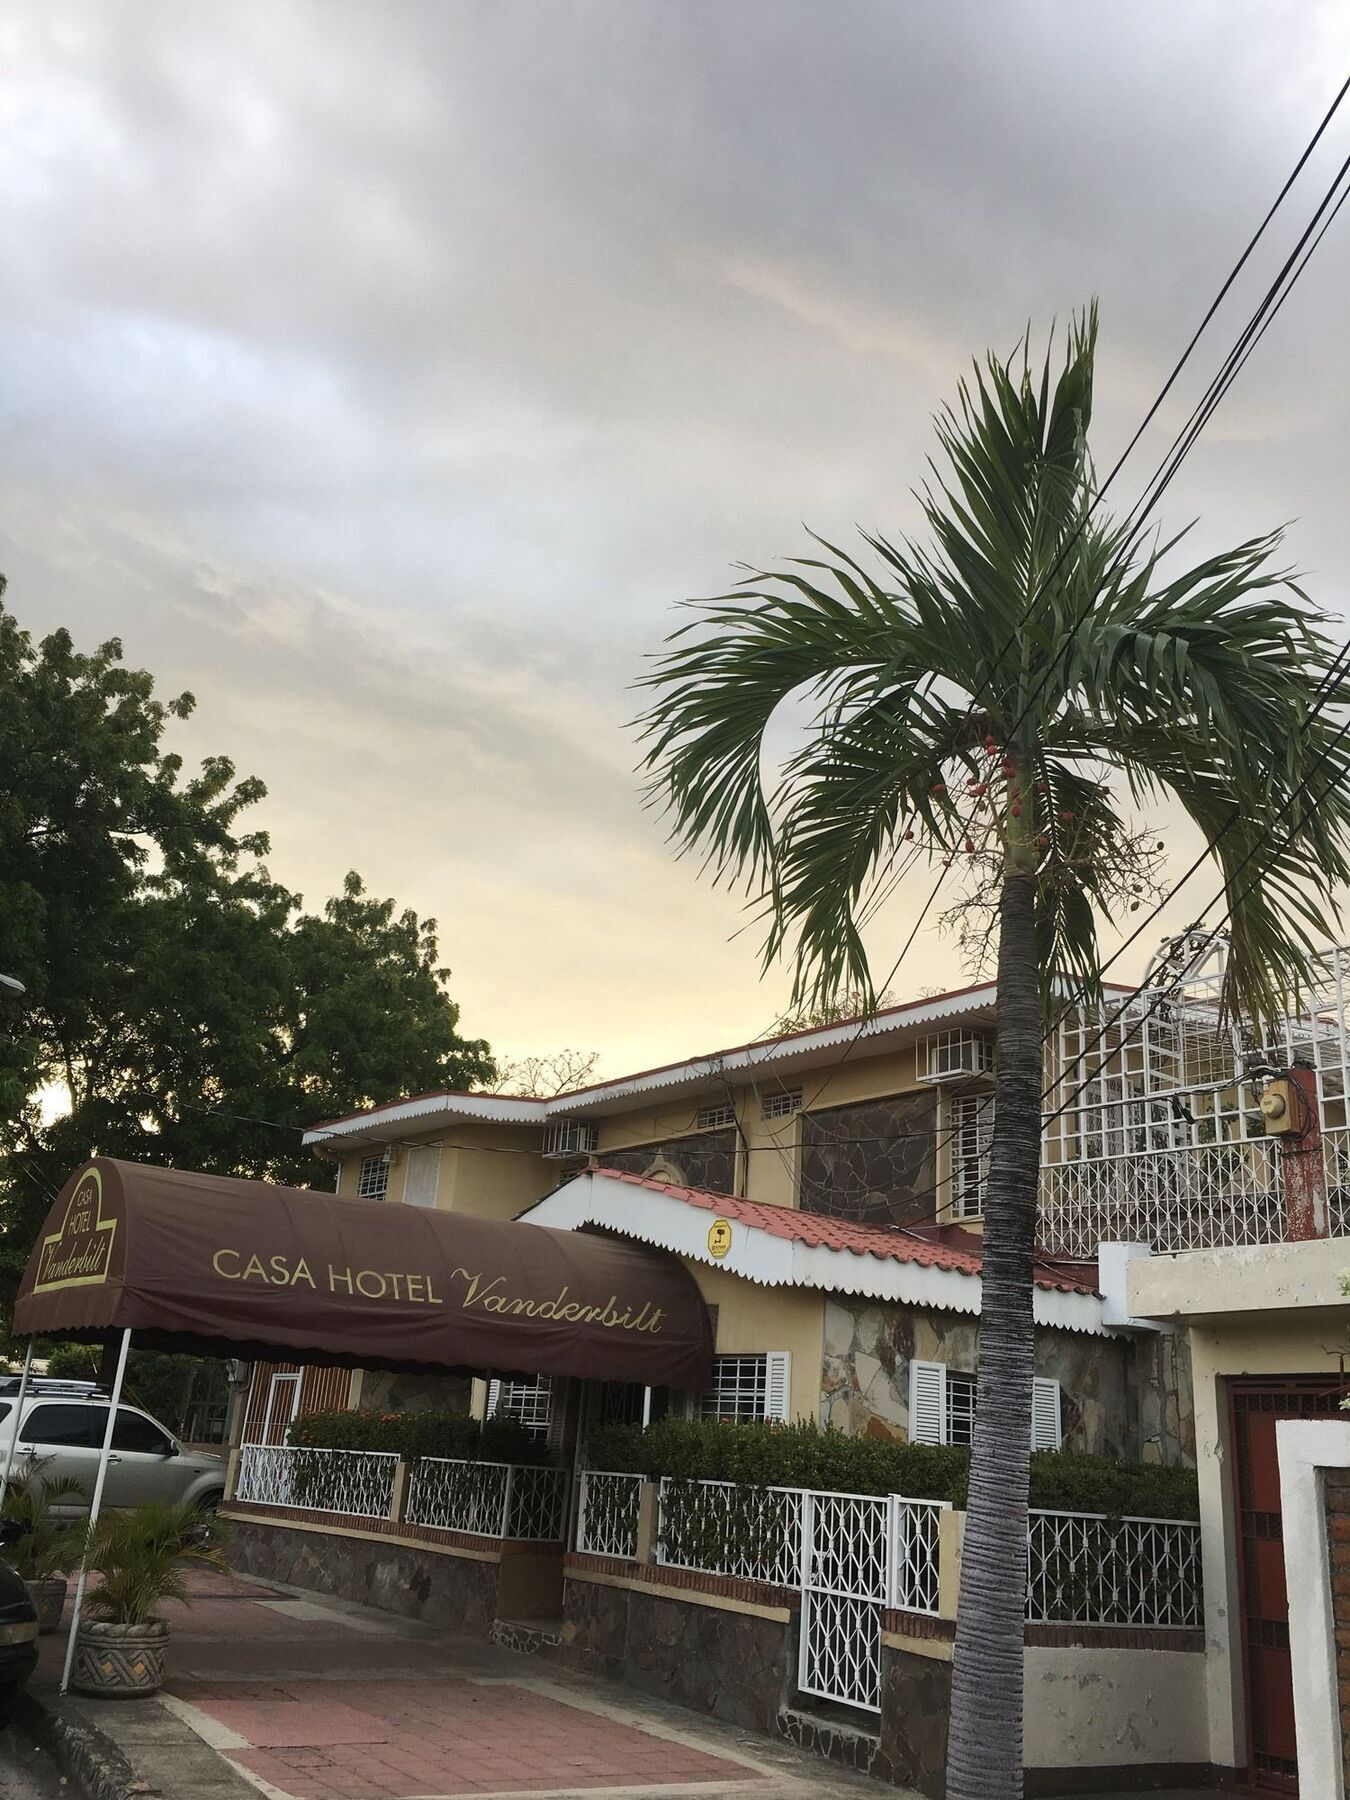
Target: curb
<point>89,1759</point>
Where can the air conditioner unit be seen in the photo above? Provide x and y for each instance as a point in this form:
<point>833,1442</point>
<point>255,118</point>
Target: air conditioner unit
<point>564,1138</point>
<point>955,1056</point>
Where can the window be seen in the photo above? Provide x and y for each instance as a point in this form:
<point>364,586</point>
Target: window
<point>972,1132</point>
<point>781,1105</point>
<point>747,1387</point>
<point>960,1408</point>
<point>75,1427</point>
<point>133,1431</point>
<point>373,1181</point>
<point>942,1407</point>
<point>424,1174</point>
<point>530,1403</point>
<point>710,1117</point>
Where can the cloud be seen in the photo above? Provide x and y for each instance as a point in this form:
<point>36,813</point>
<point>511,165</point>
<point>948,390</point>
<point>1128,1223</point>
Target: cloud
<point>385,375</point>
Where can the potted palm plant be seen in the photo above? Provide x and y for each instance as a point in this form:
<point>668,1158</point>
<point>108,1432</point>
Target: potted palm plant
<point>41,1548</point>
<point>139,1557</point>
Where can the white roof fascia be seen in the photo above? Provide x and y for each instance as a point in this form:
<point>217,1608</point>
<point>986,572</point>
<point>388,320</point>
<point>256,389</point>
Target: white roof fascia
<point>489,1109</point>
<point>762,1256</point>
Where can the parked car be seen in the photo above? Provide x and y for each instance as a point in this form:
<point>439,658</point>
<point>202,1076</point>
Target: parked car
<point>18,1639</point>
<point>63,1423</point>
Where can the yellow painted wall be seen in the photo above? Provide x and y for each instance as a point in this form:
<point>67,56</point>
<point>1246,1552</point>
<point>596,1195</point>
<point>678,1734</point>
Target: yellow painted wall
<point>752,1319</point>
<point>488,1170</point>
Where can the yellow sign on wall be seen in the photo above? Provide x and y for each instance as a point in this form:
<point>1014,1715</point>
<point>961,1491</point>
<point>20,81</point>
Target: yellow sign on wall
<point>719,1238</point>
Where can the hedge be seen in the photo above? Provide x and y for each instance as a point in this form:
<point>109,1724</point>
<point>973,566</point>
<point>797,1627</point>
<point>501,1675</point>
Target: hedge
<point>807,1455</point>
<point>417,1434</point>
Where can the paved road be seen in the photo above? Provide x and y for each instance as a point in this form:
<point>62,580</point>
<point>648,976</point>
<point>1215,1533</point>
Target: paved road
<point>26,1774</point>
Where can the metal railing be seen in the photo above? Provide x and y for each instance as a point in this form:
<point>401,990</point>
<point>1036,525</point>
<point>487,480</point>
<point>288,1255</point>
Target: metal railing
<point>1198,1197</point>
<point>607,1513</point>
<point>1088,1569</point>
<point>725,1529</point>
<point>914,1553</point>
<point>523,1501</point>
<point>359,1483</point>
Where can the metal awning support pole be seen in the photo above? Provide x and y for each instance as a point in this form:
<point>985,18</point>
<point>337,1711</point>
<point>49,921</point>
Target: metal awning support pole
<point>96,1503</point>
<point>18,1420</point>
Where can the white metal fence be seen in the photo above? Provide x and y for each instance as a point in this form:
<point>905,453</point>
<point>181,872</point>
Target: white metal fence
<point>726,1529</point>
<point>1088,1569</point>
<point>359,1483</point>
<point>607,1513</point>
<point>502,1500</point>
<point>1191,1198</point>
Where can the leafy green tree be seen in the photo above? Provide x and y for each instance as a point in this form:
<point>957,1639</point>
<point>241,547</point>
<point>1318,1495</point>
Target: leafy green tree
<point>182,1007</point>
<point>1032,664</point>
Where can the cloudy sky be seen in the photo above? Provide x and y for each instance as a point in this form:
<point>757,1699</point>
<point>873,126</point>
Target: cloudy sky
<point>385,372</point>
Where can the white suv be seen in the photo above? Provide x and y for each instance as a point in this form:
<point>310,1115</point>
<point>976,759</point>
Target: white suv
<point>64,1430</point>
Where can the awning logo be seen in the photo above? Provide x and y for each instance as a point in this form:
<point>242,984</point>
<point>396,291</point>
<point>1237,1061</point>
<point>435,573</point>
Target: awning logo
<point>80,1253</point>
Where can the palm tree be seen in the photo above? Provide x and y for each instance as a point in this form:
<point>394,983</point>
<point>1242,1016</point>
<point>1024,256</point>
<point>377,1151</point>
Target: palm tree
<point>1044,671</point>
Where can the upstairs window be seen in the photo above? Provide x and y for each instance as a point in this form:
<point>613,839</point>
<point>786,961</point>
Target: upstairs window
<point>710,1118</point>
<point>373,1181</point>
<point>781,1105</point>
<point>972,1133</point>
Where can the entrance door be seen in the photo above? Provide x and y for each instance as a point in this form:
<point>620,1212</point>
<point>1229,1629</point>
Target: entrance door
<point>283,1402</point>
<point>1257,1407</point>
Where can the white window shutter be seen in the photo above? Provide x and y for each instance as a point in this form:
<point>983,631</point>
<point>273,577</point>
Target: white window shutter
<point>1046,1428</point>
<point>778,1385</point>
<point>424,1173</point>
<point>494,1399</point>
<point>927,1402</point>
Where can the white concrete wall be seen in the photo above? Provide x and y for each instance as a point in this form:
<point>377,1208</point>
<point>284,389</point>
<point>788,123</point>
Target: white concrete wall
<point>1307,1447</point>
<point>1112,1708</point>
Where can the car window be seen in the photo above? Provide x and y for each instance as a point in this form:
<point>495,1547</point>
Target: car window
<point>62,1424</point>
<point>135,1432</point>
<point>5,1409</point>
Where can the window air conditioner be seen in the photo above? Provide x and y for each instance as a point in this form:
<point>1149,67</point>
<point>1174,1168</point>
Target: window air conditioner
<point>955,1056</point>
<point>568,1137</point>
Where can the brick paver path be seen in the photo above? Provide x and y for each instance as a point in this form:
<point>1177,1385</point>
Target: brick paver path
<point>378,1740</point>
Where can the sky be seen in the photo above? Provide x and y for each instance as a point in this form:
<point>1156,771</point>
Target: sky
<point>386,374</point>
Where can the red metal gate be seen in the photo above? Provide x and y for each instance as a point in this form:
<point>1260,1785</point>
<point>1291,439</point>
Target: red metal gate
<point>1257,1407</point>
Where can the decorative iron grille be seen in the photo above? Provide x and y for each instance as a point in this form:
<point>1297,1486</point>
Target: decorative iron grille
<point>913,1544</point>
<point>725,1529</point>
<point>358,1483</point>
<point>488,1499</point>
<point>845,1588</point>
<point>1194,1198</point>
<point>1087,1569</point>
<point>607,1514</point>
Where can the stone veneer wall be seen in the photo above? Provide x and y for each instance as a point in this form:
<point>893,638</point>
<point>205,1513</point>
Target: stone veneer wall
<point>1338,1544</point>
<point>455,1593</point>
<point>1162,1363</point>
<point>707,1159</point>
<point>735,1665</point>
<point>872,1162</point>
<point>865,1373</point>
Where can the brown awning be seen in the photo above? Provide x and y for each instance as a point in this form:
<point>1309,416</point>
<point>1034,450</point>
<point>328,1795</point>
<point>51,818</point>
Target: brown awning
<point>220,1266</point>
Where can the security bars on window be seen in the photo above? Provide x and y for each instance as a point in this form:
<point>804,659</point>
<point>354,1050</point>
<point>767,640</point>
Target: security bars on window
<point>740,1387</point>
<point>711,1116</point>
<point>1087,1569</point>
<point>781,1105</point>
<point>373,1181</point>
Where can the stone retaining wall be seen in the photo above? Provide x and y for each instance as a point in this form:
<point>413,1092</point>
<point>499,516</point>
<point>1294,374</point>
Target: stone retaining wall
<point>732,1659</point>
<point>453,1589</point>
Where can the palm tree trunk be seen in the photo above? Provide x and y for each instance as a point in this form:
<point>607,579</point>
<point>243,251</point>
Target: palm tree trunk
<point>984,1748</point>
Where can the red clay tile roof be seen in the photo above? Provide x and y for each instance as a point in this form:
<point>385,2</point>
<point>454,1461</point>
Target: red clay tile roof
<point>929,1246</point>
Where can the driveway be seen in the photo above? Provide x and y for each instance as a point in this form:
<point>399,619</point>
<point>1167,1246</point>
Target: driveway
<point>305,1698</point>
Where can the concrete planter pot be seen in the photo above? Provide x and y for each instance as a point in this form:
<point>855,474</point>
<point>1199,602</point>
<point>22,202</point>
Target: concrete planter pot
<point>119,1662</point>
<point>48,1597</point>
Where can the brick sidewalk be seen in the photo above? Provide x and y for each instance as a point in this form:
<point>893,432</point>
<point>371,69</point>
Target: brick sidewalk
<point>305,1698</point>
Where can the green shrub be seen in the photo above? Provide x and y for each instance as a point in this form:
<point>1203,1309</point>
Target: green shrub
<point>807,1455</point>
<point>418,1434</point>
